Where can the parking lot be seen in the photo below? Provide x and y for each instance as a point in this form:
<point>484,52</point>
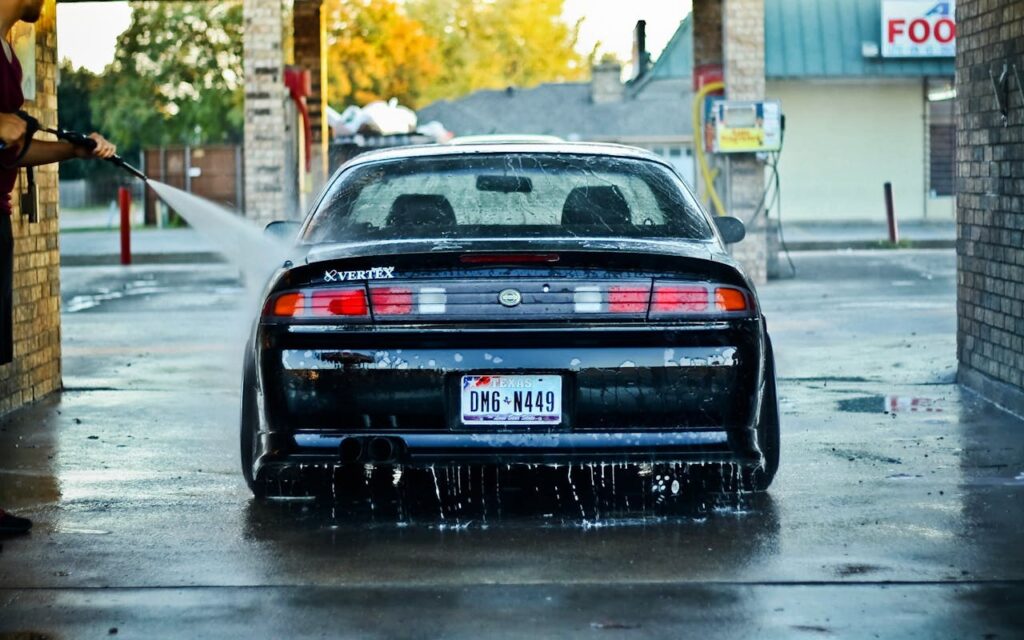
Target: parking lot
<point>896,511</point>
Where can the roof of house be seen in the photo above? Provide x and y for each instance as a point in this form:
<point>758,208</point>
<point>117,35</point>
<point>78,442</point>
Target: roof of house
<point>676,59</point>
<point>567,111</point>
<point>811,39</point>
<point>823,39</point>
<point>803,39</point>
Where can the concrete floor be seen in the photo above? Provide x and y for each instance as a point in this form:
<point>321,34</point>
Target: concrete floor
<point>897,511</point>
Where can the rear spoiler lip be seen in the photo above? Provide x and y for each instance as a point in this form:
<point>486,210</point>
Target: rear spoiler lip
<point>700,249</point>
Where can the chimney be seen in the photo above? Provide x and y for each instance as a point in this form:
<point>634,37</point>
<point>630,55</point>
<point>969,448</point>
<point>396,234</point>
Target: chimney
<point>606,83</point>
<point>641,59</point>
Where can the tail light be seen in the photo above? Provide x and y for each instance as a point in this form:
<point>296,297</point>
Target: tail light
<point>670,299</point>
<point>391,301</point>
<point>338,302</point>
<point>634,300</point>
<point>404,301</point>
<point>348,302</point>
<point>626,299</point>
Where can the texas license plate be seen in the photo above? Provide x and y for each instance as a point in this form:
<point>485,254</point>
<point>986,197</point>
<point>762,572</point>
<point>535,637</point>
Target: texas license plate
<point>505,399</point>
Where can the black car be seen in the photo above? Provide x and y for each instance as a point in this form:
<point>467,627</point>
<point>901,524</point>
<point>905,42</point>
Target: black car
<point>506,303</point>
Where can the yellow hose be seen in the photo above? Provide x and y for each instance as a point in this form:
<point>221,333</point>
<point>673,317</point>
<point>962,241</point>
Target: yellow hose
<point>698,138</point>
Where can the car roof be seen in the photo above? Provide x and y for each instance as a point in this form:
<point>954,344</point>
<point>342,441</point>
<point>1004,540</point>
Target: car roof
<point>503,138</point>
<point>514,147</point>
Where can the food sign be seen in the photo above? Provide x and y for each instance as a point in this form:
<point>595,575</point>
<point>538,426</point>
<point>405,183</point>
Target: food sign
<point>918,29</point>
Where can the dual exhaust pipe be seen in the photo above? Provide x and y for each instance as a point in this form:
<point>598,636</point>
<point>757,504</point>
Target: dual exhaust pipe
<point>376,450</point>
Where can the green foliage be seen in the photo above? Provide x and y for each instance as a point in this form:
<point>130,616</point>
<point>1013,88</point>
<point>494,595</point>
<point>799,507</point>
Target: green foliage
<point>74,89</point>
<point>176,77</point>
<point>492,44</point>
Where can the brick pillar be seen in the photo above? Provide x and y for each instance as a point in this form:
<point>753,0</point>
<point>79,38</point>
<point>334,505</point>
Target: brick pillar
<point>990,202</point>
<point>311,53</point>
<point>35,371</point>
<point>269,183</point>
<point>743,48</point>
<point>707,32</point>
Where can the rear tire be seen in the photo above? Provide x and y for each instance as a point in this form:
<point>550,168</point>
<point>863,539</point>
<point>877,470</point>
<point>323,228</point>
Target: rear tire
<point>249,430</point>
<point>768,433</point>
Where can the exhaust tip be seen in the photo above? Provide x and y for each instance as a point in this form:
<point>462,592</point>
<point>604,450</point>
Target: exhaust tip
<point>351,449</point>
<point>381,450</point>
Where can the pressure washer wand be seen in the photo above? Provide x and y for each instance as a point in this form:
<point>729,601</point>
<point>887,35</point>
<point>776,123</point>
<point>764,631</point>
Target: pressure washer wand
<point>82,140</point>
<point>75,138</point>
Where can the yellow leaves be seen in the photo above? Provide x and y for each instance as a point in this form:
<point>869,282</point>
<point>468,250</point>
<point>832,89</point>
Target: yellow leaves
<point>376,52</point>
<point>422,50</point>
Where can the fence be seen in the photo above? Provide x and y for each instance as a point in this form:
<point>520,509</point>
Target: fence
<point>95,192</point>
<point>213,172</point>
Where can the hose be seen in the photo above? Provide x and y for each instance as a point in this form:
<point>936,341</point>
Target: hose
<point>75,138</point>
<point>698,132</point>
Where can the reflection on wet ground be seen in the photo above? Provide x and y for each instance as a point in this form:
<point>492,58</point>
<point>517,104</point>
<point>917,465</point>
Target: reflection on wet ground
<point>459,498</point>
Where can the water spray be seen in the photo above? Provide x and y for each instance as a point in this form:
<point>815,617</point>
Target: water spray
<point>75,138</point>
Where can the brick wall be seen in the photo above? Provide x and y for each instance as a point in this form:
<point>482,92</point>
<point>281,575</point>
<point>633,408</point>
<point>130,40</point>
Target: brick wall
<point>707,26</point>
<point>731,33</point>
<point>269,190</point>
<point>990,201</point>
<point>35,371</point>
<point>310,43</point>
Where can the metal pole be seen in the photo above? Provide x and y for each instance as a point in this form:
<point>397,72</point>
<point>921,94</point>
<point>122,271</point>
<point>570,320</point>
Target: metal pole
<point>890,212</point>
<point>124,196</point>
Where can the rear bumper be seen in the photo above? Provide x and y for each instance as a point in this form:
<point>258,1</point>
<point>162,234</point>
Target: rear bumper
<point>629,395</point>
<point>282,451</point>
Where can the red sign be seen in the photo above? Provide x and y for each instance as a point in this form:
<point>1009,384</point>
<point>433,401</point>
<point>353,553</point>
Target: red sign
<point>918,29</point>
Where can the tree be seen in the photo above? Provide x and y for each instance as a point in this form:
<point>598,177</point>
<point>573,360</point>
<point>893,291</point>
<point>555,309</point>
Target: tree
<point>75,88</point>
<point>492,44</point>
<point>376,52</point>
<point>176,77</point>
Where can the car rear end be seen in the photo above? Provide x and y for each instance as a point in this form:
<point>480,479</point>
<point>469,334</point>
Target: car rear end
<point>421,351</point>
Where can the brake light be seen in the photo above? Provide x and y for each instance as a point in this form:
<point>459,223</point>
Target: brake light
<point>391,301</point>
<point>623,299</point>
<point>679,299</point>
<point>508,258</point>
<point>339,302</point>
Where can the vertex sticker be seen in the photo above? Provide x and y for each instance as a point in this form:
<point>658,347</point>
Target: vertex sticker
<point>375,273</point>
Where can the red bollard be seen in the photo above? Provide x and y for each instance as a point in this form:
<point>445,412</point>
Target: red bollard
<point>890,212</point>
<point>124,198</point>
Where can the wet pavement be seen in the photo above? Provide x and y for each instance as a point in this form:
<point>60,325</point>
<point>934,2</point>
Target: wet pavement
<point>896,511</point>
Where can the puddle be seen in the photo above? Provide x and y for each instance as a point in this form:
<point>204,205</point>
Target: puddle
<point>81,531</point>
<point>890,405</point>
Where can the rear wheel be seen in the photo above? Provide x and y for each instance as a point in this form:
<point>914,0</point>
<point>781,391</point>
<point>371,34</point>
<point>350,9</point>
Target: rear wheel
<point>768,436</point>
<point>249,430</point>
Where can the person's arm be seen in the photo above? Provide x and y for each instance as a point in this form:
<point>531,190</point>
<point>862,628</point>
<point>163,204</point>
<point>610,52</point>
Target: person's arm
<point>12,129</point>
<point>45,151</point>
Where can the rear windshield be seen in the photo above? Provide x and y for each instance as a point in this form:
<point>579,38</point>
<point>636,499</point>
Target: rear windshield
<point>507,195</point>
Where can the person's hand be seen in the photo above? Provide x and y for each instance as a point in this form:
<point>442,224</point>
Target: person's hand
<point>12,130</point>
<point>104,149</point>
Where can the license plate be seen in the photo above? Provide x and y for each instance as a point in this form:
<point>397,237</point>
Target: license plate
<point>503,400</point>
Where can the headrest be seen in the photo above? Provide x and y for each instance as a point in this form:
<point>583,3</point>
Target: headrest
<point>421,210</point>
<point>601,206</point>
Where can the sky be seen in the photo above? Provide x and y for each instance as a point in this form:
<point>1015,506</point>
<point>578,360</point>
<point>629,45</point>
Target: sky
<point>87,32</point>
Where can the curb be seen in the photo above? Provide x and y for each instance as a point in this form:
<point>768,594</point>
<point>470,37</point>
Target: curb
<point>823,245</point>
<point>113,259</point>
